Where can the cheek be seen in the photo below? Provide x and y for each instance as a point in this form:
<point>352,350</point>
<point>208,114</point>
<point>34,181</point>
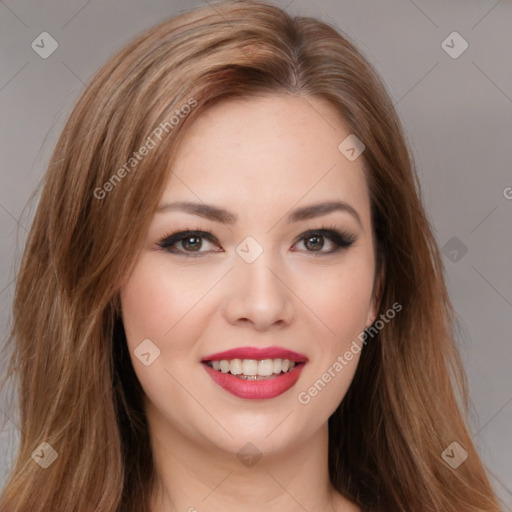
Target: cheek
<point>342,305</point>
<point>156,302</point>
<point>158,305</point>
<point>341,302</point>
<point>147,306</point>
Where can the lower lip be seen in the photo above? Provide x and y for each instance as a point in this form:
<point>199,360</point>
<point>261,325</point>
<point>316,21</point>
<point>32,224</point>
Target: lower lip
<point>255,389</point>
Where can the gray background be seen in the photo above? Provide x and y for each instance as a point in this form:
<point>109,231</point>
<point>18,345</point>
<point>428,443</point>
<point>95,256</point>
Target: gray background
<point>457,115</point>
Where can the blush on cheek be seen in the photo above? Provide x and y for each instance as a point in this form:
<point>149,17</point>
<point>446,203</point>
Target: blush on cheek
<point>150,305</point>
<point>343,309</point>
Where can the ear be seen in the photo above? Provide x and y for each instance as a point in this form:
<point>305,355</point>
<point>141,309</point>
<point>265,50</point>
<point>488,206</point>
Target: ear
<point>372,314</point>
<point>378,285</point>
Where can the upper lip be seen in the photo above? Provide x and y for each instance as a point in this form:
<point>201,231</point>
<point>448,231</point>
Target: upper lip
<point>257,353</point>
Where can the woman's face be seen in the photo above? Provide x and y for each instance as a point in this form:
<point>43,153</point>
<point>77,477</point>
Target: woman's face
<point>265,282</point>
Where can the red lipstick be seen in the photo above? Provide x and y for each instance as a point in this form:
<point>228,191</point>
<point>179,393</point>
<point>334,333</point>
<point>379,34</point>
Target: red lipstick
<point>263,388</point>
<point>257,353</point>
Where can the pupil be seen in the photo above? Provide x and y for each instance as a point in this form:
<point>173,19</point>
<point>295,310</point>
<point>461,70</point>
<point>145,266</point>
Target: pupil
<point>193,246</point>
<point>317,241</point>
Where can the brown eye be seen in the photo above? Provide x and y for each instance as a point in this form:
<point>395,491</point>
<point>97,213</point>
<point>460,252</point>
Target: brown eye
<point>195,245</point>
<point>315,242</point>
<point>188,242</point>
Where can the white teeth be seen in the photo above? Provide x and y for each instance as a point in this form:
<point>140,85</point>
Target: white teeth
<point>266,367</point>
<point>250,367</point>
<point>253,368</point>
<point>235,366</point>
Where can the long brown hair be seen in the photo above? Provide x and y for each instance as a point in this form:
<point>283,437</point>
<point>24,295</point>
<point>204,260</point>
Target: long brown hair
<point>77,388</point>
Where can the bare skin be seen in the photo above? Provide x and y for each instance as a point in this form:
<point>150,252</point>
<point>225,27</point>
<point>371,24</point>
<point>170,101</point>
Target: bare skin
<point>260,159</point>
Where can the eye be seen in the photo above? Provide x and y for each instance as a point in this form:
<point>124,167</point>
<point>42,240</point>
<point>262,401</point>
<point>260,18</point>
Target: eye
<point>314,240</point>
<point>190,241</point>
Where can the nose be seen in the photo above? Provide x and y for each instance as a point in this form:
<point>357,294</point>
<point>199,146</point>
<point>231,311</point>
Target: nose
<point>257,295</point>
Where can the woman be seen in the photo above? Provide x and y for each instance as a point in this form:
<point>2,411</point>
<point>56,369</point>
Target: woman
<point>231,297</point>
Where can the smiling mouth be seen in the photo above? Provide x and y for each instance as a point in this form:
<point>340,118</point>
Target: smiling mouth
<point>253,369</point>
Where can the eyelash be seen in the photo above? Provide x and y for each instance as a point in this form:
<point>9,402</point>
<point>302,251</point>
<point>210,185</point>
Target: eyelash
<point>341,240</point>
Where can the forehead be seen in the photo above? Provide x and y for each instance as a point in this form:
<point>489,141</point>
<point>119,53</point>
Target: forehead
<point>259,154</point>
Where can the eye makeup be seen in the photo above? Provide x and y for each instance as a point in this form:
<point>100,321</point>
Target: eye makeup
<point>171,242</point>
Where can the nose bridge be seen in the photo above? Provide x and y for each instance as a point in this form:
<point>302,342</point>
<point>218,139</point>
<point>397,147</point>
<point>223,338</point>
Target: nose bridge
<point>257,292</point>
<point>259,276</point>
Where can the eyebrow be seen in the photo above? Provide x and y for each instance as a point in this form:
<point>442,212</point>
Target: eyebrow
<point>223,216</point>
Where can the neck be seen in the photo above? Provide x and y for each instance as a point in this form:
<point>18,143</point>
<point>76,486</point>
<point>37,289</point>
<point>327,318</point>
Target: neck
<point>196,476</point>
